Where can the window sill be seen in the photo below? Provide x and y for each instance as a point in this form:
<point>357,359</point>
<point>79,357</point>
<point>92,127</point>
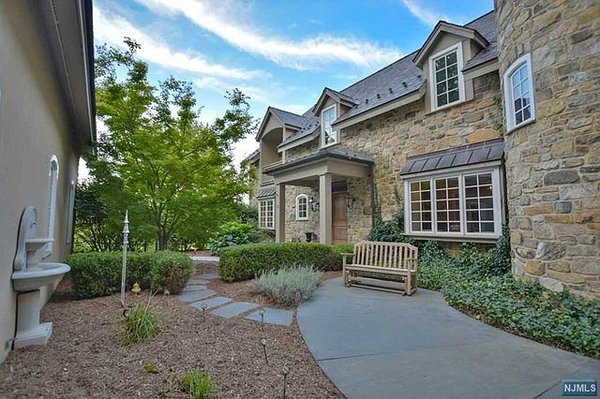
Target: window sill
<point>330,145</point>
<point>455,238</point>
<point>514,128</point>
<point>448,106</point>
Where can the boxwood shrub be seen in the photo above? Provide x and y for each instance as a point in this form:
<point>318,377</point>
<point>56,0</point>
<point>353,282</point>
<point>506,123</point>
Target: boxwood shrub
<point>245,262</point>
<point>97,274</point>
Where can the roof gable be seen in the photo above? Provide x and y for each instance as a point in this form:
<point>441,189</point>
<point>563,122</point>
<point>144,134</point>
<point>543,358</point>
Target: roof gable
<point>284,118</point>
<point>442,28</point>
<point>336,96</point>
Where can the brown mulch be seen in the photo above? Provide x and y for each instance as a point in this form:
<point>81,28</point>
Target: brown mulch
<point>85,357</point>
<point>239,291</point>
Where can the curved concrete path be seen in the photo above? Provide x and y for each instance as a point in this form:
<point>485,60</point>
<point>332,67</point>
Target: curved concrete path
<point>375,344</point>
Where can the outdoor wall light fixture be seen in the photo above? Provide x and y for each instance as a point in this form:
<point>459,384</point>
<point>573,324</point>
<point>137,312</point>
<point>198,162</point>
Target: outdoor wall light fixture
<point>314,204</point>
<point>350,201</point>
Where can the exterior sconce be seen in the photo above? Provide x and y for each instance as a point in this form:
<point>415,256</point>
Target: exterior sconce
<point>350,201</point>
<point>313,204</point>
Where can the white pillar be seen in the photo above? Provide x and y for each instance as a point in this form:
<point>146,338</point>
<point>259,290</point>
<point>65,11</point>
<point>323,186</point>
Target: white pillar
<point>325,209</point>
<point>280,213</point>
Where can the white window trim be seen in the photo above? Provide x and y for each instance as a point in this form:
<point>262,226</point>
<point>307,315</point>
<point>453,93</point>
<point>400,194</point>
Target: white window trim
<point>497,201</point>
<point>262,220</point>
<point>461,78</point>
<point>70,211</point>
<point>337,133</point>
<point>298,198</point>
<point>53,170</point>
<point>508,93</point>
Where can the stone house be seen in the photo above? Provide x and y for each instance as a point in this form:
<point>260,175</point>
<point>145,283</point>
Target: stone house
<point>46,122</point>
<point>493,122</point>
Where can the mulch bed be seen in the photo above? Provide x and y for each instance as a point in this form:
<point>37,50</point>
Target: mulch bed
<point>85,357</point>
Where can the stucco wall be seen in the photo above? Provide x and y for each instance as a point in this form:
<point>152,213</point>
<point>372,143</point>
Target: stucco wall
<point>33,127</point>
<point>553,164</point>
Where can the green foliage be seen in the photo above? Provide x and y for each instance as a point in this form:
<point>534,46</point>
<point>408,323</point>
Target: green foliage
<point>288,286</point>
<point>170,271</point>
<point>197,384</point>
<point>97,274</point>
<point>158,159</point>
<point>481,285</point>
<point>141,324</point>
<point>245,262</point>
<point>389,230</point>
<point>233,233</point>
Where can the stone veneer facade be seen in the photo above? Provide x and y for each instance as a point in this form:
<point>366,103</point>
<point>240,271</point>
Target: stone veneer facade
<point>553,164</point>
<point>390,138</point>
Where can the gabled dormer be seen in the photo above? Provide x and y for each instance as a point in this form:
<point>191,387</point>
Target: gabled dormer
<point>445,58</point>
<point>330,106</point>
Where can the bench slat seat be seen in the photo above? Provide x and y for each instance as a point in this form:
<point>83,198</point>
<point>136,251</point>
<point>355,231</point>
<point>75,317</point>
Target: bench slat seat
<point>372,260</point>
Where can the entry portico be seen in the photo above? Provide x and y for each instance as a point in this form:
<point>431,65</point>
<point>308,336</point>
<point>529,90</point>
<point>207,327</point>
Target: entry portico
<point>318,171</point>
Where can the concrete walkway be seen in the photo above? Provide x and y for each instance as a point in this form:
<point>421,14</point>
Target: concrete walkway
<point>375,344</point>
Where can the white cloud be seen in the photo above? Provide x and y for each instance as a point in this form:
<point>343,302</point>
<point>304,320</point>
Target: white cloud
<point>223,19</point>
<point>426,16</point>
<point>111,28</point>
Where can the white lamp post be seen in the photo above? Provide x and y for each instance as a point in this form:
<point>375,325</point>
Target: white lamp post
<point>124,267</point>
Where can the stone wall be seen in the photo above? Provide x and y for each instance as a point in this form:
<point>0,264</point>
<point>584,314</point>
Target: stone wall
<point>295,230</point>
<point>553,164</point>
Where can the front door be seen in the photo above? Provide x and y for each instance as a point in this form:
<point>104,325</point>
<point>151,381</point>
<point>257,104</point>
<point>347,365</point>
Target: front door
<point>340,219</point>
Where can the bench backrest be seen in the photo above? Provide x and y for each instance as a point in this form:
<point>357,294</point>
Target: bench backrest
<point>386,254</point>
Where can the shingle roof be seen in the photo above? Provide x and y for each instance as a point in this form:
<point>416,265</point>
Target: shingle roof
<point>469,154</point>
<point>266,192</point>
<point>398,79</point>
<point>289,118</point>
<point>338,153</point>
<point>253,157</point>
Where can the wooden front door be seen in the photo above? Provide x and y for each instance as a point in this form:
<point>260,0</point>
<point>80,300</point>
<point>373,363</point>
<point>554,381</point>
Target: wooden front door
<point>340,218</point>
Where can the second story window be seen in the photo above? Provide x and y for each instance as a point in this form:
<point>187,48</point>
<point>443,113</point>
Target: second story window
<point>446,77</point>
<point>330,136</point>
<point>518,93</point>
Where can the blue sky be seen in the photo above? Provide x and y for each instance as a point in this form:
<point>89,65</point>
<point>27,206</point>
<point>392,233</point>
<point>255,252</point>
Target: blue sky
<point>280,53</point>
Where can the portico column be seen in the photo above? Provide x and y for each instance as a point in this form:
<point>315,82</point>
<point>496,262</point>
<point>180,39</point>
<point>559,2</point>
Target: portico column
<point>280,213</point>
<point>325,209</point>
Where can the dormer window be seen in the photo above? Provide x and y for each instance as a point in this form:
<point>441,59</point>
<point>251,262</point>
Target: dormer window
<point>447,86</point>
<point>329,136</point>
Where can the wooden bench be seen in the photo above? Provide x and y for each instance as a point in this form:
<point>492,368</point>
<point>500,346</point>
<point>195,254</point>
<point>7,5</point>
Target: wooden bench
<point>387,266</point>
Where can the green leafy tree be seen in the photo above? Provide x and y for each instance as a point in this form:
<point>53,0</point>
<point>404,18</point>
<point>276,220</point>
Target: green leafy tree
<point>175,169</point>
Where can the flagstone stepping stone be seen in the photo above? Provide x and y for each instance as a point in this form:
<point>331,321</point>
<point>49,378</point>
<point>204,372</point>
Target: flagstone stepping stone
<point>190,288</point>
<point>194,296</point>
<point>212,302</point>
<point>198,281</point>
<point>210,276</point>
<point>234,309</point>
<point>280,317</point>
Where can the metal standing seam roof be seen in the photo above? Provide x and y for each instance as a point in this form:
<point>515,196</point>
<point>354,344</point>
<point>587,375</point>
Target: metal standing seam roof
<point>398,79</point>
<point>470,154</point>
<point>266,192</point>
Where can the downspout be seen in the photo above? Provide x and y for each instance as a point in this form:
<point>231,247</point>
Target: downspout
<point>373,208</point>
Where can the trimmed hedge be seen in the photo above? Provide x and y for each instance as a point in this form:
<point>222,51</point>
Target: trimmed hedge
<point>245,262</point>
<point>97,274</point>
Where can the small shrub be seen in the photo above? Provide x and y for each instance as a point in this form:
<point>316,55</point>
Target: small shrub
<point>288,286</point>
<point>97,274</point>
<point>141,324</point>
<point>245,262</point>
<point>197,384</point>
<point>170,271</point>
<point>232,234</point>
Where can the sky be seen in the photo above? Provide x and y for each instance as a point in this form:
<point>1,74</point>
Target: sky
<point>280,53</point>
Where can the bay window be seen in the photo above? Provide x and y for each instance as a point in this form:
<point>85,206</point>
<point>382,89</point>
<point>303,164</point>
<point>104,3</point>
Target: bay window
<point>266,213</point>
<point>455,204</point>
